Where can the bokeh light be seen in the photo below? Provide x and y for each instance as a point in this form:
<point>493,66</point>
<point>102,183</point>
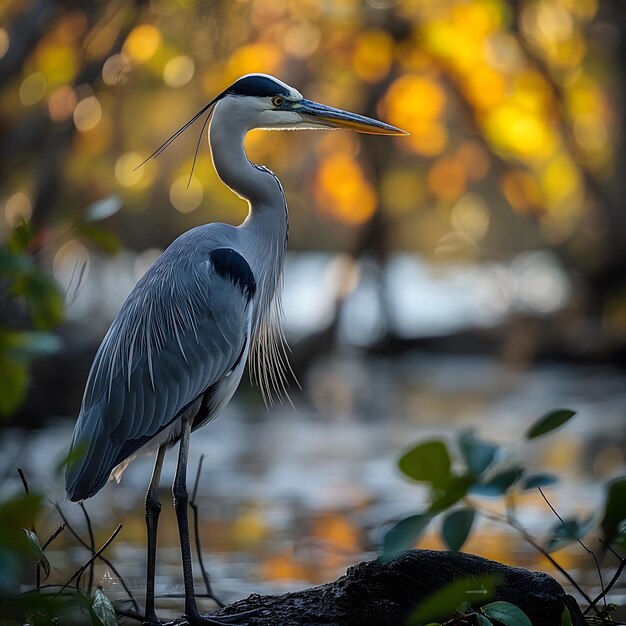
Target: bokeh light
<point>342,190</point>
<point>33,89</point>
<point>186,194</point>
<point>142,43</point>
<point>4,42</point>
<point>87,114</point>
<point>178,71</point>
<point>18,208</point>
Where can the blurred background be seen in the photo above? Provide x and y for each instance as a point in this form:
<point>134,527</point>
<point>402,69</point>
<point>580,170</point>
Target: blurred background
<point>470,275</point>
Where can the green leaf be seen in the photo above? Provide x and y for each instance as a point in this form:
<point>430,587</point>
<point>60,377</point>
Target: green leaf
<point>538,480</point>
<point>566,618</point>
<point>465,608</point>
<point>456,489</point>
<point>549,422</point>
<point>13,383</point>
<point>499,484</point>
<point>105,239</point>
<point>404,535</point>
<point>19,511</point>
<point>568,531</point>
<point>427,462</point>
<point>478,454</point>
<point>614,508</point>
<point>103,608</point>
<point>442,603</point>
<point>481,620</point>
<point>506,613</point>
<point>21,237</point>
<point>457,527</point>
<point>38,552</point>
<point>44,297</point>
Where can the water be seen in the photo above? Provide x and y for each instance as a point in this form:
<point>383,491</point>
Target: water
<point>290,498</point>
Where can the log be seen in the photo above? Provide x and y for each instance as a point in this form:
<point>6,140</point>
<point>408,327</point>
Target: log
<point>384,593</point>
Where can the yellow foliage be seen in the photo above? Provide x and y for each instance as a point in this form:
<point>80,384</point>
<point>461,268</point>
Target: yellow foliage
<point>258,57</point>
<point>522,191</point>
<point>447,179</point>
<point>342,190</point>
<point>336,530</point>
<point>142,43</point>
<point>250,528</point>
<point>485,87</point>
<point>560,180</point>
<point>373,54</point>
<point>58,63</point>
<point>283,566</point>
<point>415,103</point>
<point>522,133</point>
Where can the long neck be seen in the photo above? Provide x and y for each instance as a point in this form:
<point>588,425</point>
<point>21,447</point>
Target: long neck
<point>263,242</point>
<point>264,232</point>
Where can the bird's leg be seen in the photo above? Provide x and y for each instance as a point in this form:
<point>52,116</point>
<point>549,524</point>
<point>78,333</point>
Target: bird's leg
<point>181,498</point>
<point>153,509</point>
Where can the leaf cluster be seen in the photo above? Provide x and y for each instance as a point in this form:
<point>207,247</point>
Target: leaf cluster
<point>23,558</point>
<point>474,467</point>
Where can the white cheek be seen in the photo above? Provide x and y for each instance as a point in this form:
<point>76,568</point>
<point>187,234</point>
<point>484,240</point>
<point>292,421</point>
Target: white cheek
<point>278,118</point>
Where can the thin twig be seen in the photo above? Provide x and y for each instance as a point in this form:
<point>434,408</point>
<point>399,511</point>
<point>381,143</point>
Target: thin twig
<point>105,545</point>
<point>511,521</point>
<point>196,529</point>
<point>50,539</point>
<point>608,588</point>
<point>130,614</point>
<point>53,536</point>
<point>607,546</point>
<point>20,471</point>
<point>92,547</point>
<point>102,558</point>
<point>22,476</point>
<point>559,567</point>
<point>584,547</point>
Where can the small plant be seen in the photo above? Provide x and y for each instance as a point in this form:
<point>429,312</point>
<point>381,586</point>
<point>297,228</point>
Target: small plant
<point>475,467</point>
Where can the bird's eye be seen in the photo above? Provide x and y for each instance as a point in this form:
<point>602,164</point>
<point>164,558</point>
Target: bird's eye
<point>277,101</point>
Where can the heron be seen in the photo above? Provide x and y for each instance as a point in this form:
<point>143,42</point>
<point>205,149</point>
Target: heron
<point>176,351</point>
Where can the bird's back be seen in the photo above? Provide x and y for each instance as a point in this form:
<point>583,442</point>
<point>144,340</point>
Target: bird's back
<point>181,331</point>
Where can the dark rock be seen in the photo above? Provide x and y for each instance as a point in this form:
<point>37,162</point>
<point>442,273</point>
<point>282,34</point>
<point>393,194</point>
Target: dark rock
<point>378,593</point>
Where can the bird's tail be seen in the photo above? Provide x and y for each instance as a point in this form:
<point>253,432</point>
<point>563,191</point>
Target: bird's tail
<point>89,461</point>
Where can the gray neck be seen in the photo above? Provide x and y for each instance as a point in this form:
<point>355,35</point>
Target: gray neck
<point>263,234</point>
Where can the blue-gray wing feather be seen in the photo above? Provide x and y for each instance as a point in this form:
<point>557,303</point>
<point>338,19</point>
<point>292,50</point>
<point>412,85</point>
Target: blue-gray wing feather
<point>181,330</point>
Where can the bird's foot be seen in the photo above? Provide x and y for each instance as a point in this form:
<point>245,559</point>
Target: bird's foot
<point>195,619</point>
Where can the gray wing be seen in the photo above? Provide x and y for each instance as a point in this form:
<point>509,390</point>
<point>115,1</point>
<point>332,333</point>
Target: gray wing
<point>181,330</point>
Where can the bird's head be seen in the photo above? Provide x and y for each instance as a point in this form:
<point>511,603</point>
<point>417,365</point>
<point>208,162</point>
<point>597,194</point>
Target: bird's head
<point>264,102</point>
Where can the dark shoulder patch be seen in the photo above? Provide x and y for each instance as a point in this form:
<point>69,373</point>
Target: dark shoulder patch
<point>232,266</point>
<point>257,85</point>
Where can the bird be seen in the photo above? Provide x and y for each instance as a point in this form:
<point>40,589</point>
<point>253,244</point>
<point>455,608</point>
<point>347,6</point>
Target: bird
<point>177,349</point>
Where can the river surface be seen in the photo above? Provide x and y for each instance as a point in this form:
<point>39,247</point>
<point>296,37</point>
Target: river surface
<point>290,497</point>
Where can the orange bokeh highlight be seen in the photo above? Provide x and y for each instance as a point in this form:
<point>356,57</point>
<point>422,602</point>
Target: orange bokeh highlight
<point>342,190</point>
<point>416,103</point>
<point>447,180</point>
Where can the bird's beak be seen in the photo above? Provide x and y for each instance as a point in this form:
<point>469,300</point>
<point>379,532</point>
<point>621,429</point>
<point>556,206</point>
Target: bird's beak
<point>329,117</point>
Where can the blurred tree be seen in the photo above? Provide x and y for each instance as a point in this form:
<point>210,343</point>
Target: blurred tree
<point>515,111</point>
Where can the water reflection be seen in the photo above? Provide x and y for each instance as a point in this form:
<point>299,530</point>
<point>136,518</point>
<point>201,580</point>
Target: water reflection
<point>290,498</point>
<point>420,299</point>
